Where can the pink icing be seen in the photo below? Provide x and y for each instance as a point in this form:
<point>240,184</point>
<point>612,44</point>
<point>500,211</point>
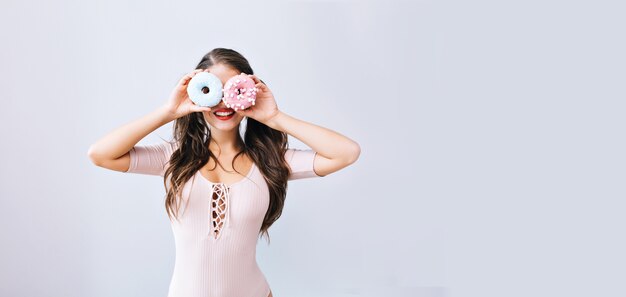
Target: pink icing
<point>239,92</point>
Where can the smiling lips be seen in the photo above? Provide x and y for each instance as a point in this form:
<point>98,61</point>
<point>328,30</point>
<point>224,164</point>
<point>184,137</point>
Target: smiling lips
<point>224,113</point>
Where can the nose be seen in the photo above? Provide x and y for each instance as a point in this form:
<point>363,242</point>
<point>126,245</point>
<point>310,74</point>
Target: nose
<point>219,105</point>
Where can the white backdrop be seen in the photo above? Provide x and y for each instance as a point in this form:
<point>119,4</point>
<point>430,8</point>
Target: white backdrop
<point>491,137</point>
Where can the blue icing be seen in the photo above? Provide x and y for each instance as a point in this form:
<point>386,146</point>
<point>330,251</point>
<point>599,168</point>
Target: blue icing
<point>201,80</point>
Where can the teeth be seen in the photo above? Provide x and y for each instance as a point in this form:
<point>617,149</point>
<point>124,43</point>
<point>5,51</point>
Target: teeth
<point>223,114</point>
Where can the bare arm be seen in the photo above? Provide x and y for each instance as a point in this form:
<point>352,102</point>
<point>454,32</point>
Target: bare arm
<point>334,151</point>
<point>112,150</point>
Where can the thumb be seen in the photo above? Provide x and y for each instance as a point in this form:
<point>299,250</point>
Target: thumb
<point>243,112</point>
<point>197,108</point>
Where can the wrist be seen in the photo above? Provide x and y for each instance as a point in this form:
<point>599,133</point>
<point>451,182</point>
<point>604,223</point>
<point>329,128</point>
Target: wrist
<point>274,121</point>
<point>166,114</point>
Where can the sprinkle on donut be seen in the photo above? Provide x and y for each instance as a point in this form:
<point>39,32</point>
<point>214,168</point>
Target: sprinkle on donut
<point>240,92</point>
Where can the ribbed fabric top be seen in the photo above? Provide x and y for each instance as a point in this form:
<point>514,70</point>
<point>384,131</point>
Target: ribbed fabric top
<point>217,231</point>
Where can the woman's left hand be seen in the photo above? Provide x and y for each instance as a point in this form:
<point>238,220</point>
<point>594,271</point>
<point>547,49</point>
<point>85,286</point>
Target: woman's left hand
<point>264,107</point>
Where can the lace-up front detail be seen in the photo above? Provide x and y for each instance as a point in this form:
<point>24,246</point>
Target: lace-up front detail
<point>219,207</point>
<point>209,263</point>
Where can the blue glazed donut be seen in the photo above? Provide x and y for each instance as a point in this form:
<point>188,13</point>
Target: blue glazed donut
<point>205,89</point>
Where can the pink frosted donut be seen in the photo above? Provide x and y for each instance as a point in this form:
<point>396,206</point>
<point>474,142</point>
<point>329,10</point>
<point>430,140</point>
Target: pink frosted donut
<point>239,92</point>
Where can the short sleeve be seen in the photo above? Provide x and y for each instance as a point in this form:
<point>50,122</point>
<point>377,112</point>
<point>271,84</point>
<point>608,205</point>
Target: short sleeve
<point>301,163</point>
<point>150,159</point>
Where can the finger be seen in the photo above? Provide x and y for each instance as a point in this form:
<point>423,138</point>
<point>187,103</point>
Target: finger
<point>244,112</point>
<point>261,86</point>
<point>192,73</point>
<point>255,78</point>
<point>200,108</point>
<point>183,81</point>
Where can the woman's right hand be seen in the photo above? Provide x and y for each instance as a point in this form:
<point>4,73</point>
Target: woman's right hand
<point>179,104</point>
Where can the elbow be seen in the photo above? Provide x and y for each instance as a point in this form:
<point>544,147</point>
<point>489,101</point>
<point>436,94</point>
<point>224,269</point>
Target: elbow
<point>355,152</point>
<point>91,154</point>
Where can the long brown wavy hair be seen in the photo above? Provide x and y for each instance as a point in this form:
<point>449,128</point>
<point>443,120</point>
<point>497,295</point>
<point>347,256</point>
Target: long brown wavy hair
<point>264,145</point>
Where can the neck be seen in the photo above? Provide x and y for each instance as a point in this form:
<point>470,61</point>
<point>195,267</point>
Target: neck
<point>224,141</point>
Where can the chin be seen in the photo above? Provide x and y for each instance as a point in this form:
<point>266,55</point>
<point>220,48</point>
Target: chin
<point>227,125</point>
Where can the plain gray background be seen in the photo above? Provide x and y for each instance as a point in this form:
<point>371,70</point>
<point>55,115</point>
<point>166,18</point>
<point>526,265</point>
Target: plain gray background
<point>491,132</point>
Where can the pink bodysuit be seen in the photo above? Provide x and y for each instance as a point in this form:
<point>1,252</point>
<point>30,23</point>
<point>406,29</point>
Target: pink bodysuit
<point>216,254</point>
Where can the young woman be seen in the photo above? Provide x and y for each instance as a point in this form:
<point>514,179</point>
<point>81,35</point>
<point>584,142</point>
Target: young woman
<point>223,192</point>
